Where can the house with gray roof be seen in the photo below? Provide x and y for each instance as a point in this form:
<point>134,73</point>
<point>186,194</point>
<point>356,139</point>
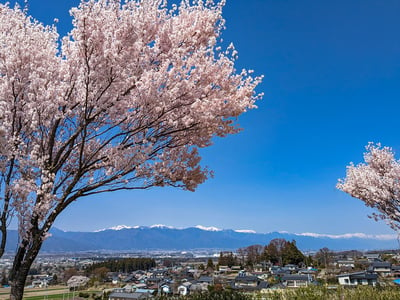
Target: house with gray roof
<point>129,296</point>
<point>296,280</point>
<point>383,268</point>
<point>248,283</point>
<point>358,278</point>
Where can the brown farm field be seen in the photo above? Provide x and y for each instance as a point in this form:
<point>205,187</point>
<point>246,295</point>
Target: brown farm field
<point>39,292</point>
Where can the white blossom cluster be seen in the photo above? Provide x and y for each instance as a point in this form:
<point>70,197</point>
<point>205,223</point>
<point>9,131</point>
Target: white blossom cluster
<point>377,183</point>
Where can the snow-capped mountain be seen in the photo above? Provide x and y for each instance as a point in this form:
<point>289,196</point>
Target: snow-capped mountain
<point>162,226</point>
<point>211,228</point>
<point>118,227</point>
<point>245,231</point>
<point>162,237</point>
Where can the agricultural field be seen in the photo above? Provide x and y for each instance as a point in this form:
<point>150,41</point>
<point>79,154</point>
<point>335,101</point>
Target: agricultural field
<point>56,293</point>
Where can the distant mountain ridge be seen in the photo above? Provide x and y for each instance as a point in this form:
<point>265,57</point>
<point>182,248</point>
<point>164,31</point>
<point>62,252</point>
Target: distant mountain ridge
<point>161,237</point>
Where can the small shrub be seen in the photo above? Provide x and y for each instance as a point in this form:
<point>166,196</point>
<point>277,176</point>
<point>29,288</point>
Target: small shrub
<point>83,295</point>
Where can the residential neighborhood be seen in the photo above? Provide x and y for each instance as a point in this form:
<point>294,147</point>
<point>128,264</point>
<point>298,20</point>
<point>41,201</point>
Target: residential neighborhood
<point>116,276</point>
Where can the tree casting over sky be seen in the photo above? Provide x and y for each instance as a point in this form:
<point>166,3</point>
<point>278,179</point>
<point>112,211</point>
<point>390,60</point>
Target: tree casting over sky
<point>377,183</point>
<point>123,102</point>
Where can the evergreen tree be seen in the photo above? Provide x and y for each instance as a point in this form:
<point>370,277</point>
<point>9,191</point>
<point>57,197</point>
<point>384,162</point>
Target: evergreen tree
<point>271,253</point>
<point>291,254</point>
<point>210,264</point>
<point>282,252</point>
<point>226,258</point>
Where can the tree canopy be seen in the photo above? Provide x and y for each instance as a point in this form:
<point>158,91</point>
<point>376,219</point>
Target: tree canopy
<point>377,183</point>
<point>124,101</point>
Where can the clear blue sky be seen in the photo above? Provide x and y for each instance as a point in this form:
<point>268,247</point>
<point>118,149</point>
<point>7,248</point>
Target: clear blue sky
<point>332,84</point>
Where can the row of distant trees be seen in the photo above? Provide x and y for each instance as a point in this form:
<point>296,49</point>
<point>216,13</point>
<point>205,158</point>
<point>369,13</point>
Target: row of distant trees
<point>278,252</point>
<point>125,265</point>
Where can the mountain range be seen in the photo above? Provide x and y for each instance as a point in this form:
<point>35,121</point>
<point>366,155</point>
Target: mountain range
<point>160,237</point>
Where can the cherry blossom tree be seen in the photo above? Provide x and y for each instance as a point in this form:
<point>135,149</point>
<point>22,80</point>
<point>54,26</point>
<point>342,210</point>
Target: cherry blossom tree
<point>377,183</point>
<point>123,102</point>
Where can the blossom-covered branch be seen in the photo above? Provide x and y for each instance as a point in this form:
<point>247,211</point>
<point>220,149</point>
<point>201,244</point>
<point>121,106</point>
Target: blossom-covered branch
<point>124,101</point>
<point>377,183</point>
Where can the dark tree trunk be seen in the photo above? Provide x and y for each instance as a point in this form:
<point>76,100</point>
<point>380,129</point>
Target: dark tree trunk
<point>23,260</point>
<point>3,230</point>
<point>17,286</point>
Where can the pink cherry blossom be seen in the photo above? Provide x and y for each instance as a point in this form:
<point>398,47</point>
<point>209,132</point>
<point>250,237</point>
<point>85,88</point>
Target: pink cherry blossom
<point>377,183</point>
<point>124,101</point>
